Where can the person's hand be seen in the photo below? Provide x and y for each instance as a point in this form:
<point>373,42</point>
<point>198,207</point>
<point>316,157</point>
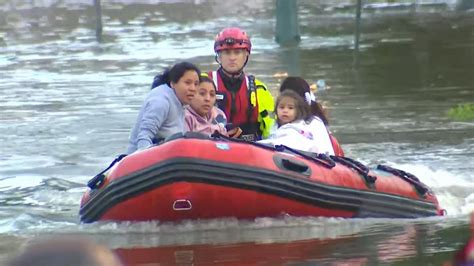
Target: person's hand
<point>235,132</point>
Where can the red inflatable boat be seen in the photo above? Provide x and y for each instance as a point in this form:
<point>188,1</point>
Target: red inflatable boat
<point>196,177</point>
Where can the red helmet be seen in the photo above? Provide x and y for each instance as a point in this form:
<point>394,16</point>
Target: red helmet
<point>232,38</point>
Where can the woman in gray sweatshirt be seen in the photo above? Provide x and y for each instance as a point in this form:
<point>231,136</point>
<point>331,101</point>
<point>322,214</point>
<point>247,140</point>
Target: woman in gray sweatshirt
<point>162,113</point>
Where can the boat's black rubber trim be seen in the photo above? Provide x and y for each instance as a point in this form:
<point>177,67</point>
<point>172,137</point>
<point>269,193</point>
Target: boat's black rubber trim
<point>364,203</point>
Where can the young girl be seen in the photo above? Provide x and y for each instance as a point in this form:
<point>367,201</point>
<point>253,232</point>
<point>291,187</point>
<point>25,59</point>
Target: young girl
<point>201,115</point>
<point>300,86</point>
<point>297,128</point>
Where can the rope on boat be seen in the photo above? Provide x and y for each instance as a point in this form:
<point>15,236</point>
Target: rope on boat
<point>98,180</point>
<point>356,165</point>
<point>319,158</point>
<point>410,178</point>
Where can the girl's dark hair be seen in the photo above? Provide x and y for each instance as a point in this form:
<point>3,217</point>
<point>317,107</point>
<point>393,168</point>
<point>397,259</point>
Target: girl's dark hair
<point>203,78</point>
<point>302,108</point>
<point>174,74</point>
<point>300,86</point>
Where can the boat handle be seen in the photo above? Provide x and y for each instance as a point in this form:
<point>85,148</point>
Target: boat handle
<point>182,205</point>
<point>294,165</point>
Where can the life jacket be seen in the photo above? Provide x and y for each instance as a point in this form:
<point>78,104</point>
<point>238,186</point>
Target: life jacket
<point>250,108</point>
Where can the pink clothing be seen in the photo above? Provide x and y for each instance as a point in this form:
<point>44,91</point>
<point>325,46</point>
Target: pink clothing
<point>215,120</point>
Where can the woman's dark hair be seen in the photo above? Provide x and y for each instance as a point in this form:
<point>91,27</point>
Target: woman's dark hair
<point>303,112</point>
<point>300,86</point>
<point>174,74</point>
<point>203,78</point>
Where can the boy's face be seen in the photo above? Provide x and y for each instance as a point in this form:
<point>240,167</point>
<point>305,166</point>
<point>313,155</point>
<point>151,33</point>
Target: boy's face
<point>233,60</point>
<point>286,110</point>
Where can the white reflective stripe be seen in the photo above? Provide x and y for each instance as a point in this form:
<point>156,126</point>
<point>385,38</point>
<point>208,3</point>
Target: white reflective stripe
<point>214,78</point>
<point>247,82</point>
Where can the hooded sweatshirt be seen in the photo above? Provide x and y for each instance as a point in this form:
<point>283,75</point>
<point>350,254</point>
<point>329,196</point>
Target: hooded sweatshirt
<point>160,116</point>
<point>214,120</point>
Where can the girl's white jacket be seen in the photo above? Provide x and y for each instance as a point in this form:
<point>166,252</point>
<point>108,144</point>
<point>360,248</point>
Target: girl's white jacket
<point>300,135</point>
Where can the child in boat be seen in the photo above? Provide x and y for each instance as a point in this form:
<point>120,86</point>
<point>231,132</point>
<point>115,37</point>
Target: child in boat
<point>296,127</point>
<point>327,143</point>
<point>201,115</point>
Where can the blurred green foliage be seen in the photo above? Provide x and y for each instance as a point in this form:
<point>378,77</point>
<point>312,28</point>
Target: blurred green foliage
<point>462,112</point>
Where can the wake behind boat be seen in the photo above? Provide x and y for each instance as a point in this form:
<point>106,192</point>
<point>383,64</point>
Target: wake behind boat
<point>192,176</point>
